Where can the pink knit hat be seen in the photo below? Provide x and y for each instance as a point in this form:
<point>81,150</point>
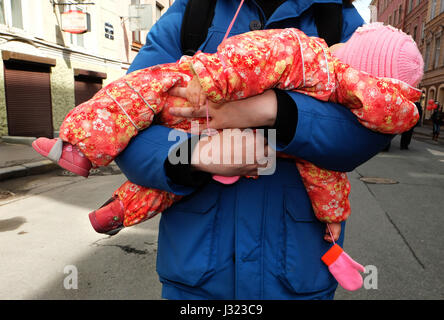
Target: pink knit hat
<point>383,51</point>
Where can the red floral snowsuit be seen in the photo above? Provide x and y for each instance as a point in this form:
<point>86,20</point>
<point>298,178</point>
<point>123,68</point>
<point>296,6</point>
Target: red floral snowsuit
<point>244,66</point>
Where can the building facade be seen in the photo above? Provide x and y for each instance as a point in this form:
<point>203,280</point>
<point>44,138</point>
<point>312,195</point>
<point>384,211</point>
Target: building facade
<point>415,19</point>
<point>424,21</point>
<point>433,52</point>
<point>391,12</point>
<point>45,71</point>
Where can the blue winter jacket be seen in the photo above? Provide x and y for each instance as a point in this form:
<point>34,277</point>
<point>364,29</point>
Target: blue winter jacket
<point>256,239</point>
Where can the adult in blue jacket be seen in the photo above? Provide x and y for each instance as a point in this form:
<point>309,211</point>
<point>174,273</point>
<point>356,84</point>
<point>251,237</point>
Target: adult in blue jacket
<point>256,239</point>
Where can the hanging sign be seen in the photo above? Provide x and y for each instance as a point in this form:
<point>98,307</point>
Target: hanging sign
<point>74,21</point>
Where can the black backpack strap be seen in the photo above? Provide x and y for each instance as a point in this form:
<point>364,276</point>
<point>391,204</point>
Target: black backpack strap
<point>328,19</point>
<point>195,24</point>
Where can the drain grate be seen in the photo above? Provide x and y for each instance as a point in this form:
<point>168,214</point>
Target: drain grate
<point>375,180</point>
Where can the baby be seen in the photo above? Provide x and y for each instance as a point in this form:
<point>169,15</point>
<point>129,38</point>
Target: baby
<point>95,132</point>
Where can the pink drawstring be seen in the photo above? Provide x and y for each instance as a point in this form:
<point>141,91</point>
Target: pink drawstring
<point>331,235</point>
<point>208,116</point>
<point>232,21</point>
<point>225,37</point>
<point>222,179</point>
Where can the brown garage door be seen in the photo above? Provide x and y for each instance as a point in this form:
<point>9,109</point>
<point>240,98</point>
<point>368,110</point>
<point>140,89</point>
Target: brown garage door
<point>85,88</point>
<point>28,99</point>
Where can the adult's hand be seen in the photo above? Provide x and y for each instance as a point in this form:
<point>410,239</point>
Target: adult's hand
<point>256,111</point>
<point>233,153</point>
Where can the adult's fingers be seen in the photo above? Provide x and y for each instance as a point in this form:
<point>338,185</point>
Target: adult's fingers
<point>178,92</point>
<point>198,112</point>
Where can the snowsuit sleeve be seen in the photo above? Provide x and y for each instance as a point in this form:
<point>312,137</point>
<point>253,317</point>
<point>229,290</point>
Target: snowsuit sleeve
<point>381,104</point>
<point>248,64</point>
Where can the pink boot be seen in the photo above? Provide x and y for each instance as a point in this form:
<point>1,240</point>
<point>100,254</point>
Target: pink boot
<point>109,218</point>
<point>64,154</point>
<point>343,268</point>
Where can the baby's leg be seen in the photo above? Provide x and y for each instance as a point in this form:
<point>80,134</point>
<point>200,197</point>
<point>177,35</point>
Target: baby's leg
<point>103,126</point>
<point>290,60</point>
<point>130,205</point>
<point>143,203</point>
<point>100,128</point>
<point>328,191</point>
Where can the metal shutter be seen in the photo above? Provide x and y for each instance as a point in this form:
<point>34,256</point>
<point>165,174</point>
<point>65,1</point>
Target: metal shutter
<point>28,99</point>
<point>85,88</point>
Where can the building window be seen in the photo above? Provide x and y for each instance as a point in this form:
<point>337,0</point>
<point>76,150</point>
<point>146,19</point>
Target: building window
<point>159,9</point>
<point>394,18</point>
<point>427,57</point>
<point>442,7</point>
<point>136,37</point>
<point>11,13</point>
<point>16,11</point>
<point>415,31</point>
<point>437,52</point>
<point>109,31</point>
<point>410,5</point>
<point>136,34</point>
<point>433,9</point>
<point>399,13</point>
<point>2,12</point>
<point>77,39</point>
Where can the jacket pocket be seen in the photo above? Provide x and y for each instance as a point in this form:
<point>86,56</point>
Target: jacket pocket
<point>186,245</point>
<point>303,246</point>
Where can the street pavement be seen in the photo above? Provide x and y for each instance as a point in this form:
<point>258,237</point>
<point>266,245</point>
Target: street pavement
<point>395,230</point>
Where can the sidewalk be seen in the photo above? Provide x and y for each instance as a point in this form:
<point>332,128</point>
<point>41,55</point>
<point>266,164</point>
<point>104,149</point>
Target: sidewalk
<point>424,133</point>
<point>18,159</point>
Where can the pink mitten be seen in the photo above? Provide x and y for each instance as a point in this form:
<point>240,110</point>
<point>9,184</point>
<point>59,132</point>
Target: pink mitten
<point>343,268</point>
<point>226,180</point>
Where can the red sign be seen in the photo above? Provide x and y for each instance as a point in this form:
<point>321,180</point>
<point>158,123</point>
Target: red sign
<point>74,21</point>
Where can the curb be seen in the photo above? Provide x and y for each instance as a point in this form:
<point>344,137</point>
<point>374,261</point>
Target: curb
<point>27,169</point>
<point>18,140</point>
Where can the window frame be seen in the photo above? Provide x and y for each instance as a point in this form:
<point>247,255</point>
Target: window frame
<point>437,52</point>
<point>160,7</point>
<point>433,10</point>
<point>8,14</point>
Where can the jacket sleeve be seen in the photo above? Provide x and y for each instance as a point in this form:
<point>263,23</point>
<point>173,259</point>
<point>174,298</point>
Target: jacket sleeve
<point>289,58</point>
<point>147,168</point>
<point>140,166</point>
<point>330,136</point>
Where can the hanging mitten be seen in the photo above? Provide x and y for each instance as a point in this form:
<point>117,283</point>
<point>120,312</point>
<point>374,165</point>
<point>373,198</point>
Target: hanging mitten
<point>343,268</point>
